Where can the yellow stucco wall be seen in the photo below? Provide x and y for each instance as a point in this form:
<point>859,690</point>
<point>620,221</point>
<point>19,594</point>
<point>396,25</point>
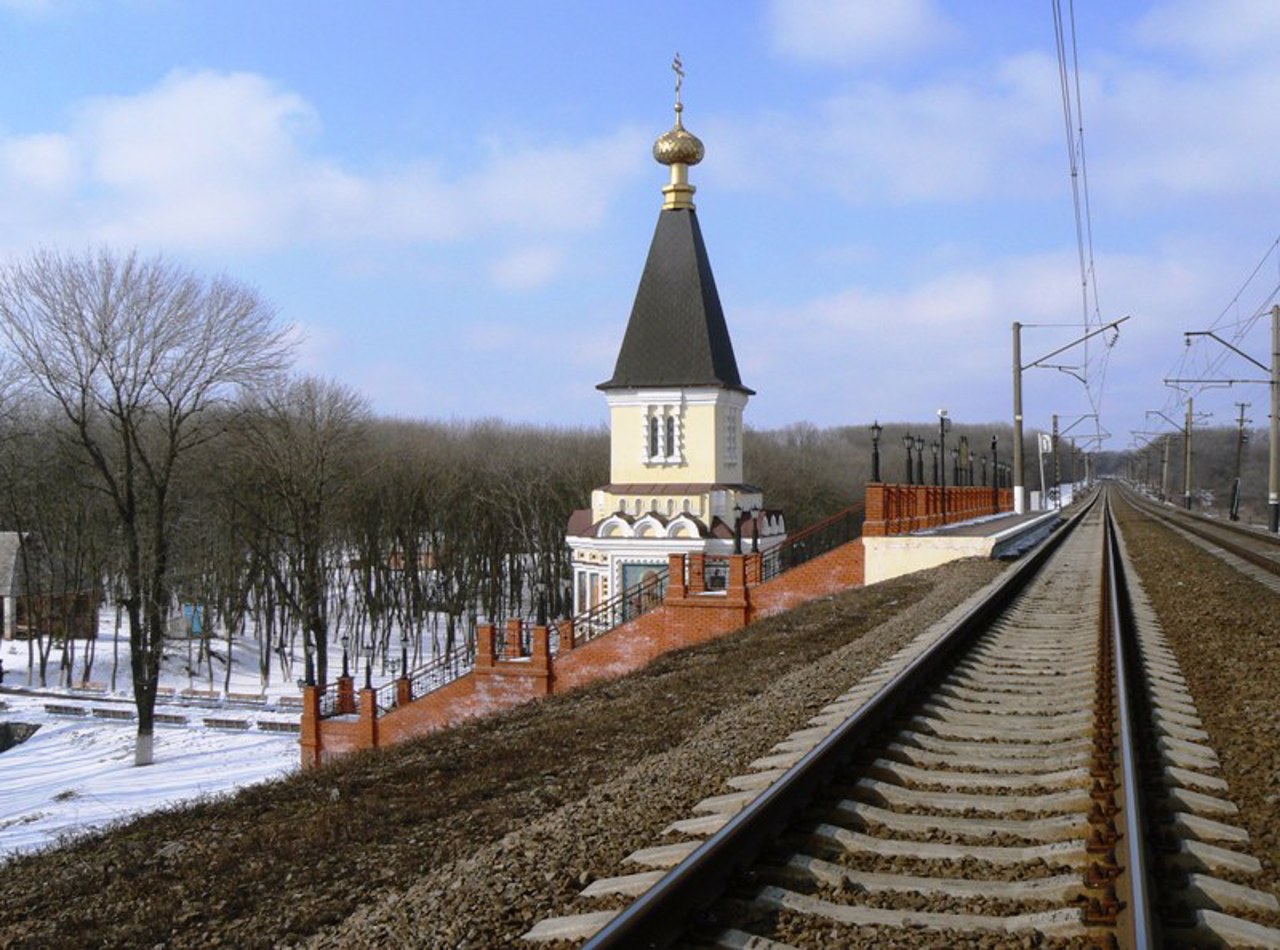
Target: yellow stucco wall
<point>702,437</point>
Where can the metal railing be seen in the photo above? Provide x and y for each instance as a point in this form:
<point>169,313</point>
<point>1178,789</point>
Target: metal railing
<point>439,672</point>
<point>715,572</point>
<point>813,541</point>
<point>633,602</point>
<point>329,701</point>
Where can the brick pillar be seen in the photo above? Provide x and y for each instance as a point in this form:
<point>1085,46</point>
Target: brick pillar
<point>484,645</point>
<point>540,659</point>
<point>737,574</point>
<point>404,691</point>
<point>541,645</point>
<point>755,568</point>
<point>367,737</point>
<point>512,648</point>
<point>310,741</point>
<point>566,635</point>
<point>676,587</point>
<point>346,695</point>
<point>697,574</point>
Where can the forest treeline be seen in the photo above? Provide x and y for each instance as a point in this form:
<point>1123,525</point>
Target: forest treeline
<point>157,453</point>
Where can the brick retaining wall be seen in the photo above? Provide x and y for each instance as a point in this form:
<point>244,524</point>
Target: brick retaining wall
<point>689,615</point>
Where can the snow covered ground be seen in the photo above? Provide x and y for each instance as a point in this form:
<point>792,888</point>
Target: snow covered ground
<point>76,773</point>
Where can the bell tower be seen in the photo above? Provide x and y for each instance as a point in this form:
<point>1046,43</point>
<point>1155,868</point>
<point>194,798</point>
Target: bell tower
<point>676,403</point>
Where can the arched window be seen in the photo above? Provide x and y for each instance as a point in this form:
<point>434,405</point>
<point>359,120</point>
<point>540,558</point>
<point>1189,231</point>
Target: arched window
<point>671,437</point>
<point>653,437</point>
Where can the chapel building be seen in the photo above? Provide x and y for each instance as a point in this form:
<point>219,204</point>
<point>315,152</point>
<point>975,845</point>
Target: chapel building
<point>676,401</point>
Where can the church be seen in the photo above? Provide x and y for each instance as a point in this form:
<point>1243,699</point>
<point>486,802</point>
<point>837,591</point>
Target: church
<point>676,402</point>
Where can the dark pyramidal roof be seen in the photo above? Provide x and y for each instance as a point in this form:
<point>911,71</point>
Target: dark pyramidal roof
<point>677,335</point>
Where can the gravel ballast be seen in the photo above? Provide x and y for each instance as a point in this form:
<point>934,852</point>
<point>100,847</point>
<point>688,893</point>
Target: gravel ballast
<point>465,837</point>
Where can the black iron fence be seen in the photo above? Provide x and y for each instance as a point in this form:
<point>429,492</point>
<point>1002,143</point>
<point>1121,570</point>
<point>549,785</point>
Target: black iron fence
<point>439,672</point>
<point>813,541</point>
<point>329,702</point>
<point>633,602</point>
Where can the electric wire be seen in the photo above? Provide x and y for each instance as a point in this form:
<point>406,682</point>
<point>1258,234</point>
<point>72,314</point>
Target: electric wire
<point>1095,364</point>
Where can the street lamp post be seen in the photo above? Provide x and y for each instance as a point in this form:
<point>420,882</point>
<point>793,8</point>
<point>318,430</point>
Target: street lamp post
<point>368,666</point>
<point>995,480</point>
<point>955,466</point>
<point>943,425</point>
<point>919,460</point>
<point>876,429</point>
<point>346,642</point>
<point>934,446</point>
<point>909,442</point>
<point>737,529</point>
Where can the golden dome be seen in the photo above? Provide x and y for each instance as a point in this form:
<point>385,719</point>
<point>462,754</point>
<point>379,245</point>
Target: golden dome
<point>679,146</point>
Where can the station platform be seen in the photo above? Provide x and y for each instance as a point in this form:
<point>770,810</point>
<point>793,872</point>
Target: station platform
<point>997,536</point>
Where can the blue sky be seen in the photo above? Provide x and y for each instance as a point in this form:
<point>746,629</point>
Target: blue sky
<point>452,202</point>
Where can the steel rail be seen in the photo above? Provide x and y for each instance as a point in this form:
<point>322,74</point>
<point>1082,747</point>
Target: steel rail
<point>1130,686</point>
<point>659,916</point>
<point>1193,524</point>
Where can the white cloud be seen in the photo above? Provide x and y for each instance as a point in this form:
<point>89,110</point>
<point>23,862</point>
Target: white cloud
<point>1154,134</point>
<point>1226,31</point>
<point>901,352</point>
<point>845,33</point>
<point>46,163</point>
<point>949,142</point>
<point>208,160</point>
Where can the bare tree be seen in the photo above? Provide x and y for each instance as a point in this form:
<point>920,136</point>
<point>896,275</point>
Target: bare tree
<point>299,452</point>
<point>138,353</point>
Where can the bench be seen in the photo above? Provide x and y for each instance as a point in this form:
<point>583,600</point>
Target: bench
<point>256,699</point>
<point>204,697</point>
<point>290,702</point>
<point>216,723</point>
<point>165,692</point>
<point>112,713</point>
<point>272,725</point>
<point>170,719</point>
<point>61,709</point>
<point>90,686</point>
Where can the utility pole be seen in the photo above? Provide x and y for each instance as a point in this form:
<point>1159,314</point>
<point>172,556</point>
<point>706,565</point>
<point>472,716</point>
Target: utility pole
<point>1186,459</point>
<point>1019,489</point>
<point>1057,467</point>
<point>1273,477</point>
<point>1235,485</point>
<point>1273,371</point>
<point>1164,471</point>
<point>1019,492</point>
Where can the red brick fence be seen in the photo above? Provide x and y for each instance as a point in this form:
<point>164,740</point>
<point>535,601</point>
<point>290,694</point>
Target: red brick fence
<point>522,665</point>
<point>901,509</point>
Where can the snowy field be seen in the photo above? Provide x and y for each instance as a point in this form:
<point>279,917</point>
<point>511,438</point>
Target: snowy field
<point>76,773</point>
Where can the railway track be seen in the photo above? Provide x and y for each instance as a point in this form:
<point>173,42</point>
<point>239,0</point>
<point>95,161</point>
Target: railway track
<point>990,785</point>
<point>1251,545</point>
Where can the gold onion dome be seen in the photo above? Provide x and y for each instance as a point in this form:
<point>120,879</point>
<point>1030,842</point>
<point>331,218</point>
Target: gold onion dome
<point>679,146</point>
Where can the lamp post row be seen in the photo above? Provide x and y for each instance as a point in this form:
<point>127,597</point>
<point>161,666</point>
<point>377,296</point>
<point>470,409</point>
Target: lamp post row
<point>914,446</point>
